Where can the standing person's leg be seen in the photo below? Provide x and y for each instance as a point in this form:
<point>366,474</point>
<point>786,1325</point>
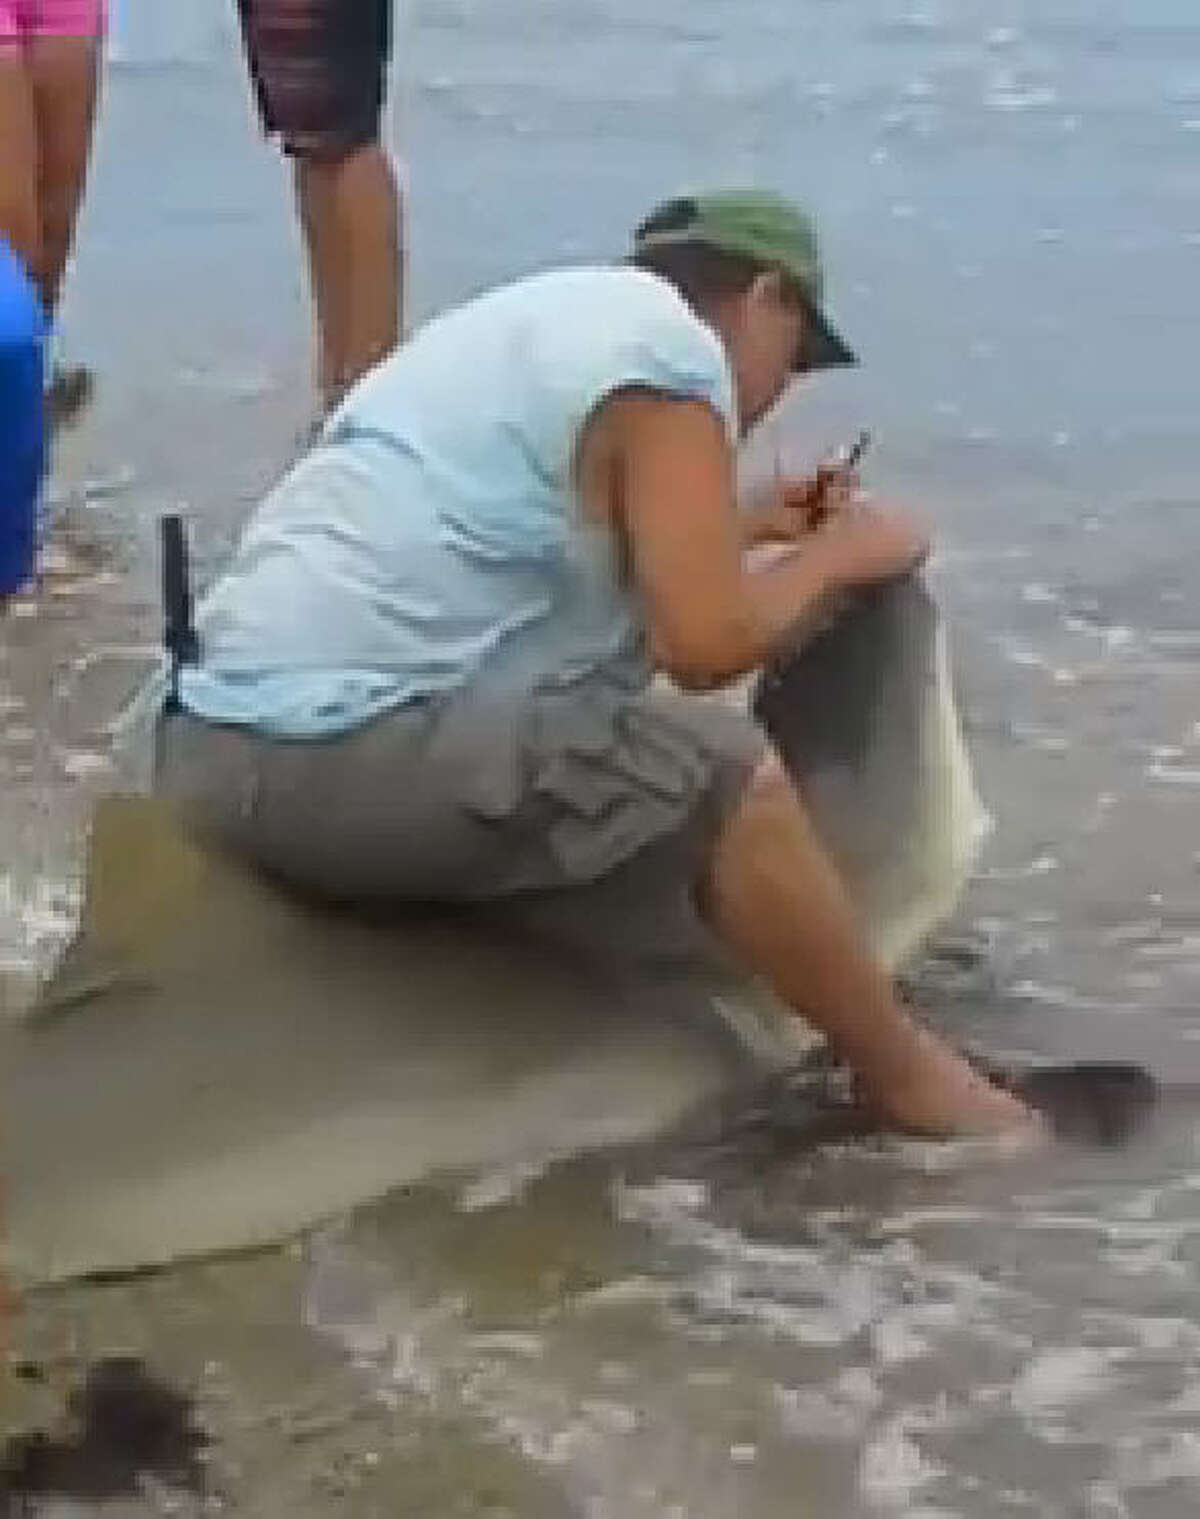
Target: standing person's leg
<point>64,72</point>
<point>20,219</point>
<point>320,69</point>
<point>63,58</point>
<point>349,200</point>
<point>350,212</point>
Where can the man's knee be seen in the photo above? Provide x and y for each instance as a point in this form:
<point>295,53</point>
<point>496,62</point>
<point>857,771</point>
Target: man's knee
<point>757,841</point>
<point>770,809</point>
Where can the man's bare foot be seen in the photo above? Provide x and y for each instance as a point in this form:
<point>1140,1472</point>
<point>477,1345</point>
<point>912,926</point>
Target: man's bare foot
<point>942,1095</point>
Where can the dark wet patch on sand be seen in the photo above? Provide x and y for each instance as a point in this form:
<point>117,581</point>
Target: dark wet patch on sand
<point>122,1427</point>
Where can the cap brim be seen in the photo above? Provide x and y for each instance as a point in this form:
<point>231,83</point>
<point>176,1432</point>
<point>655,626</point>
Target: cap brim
<point>824,346</point>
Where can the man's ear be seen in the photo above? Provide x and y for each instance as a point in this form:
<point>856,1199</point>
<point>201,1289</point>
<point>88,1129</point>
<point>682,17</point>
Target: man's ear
<point>767,288</point>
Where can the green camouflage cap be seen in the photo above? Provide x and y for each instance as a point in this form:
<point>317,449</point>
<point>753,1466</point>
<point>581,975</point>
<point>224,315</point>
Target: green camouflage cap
<point>759,225</point>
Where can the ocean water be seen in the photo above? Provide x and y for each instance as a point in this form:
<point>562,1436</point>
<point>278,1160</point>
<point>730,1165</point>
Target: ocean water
<point>1011,198</point>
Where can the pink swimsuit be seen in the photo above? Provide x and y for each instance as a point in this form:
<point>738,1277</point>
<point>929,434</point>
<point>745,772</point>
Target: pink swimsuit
<point>22,20</point>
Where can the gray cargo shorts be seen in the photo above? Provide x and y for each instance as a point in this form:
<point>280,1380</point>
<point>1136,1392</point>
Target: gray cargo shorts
<point>595,792</point>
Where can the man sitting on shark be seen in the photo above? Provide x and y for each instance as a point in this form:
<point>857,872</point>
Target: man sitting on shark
<point>428,672</point>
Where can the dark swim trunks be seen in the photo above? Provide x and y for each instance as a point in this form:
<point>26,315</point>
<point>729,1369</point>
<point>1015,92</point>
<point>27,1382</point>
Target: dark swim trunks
<point>319,70</point>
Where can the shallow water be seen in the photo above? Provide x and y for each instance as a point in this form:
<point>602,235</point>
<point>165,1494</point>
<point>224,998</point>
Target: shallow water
<point>1010,192</point>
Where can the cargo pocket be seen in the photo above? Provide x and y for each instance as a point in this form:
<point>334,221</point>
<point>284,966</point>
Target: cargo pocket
<point>608,776</point>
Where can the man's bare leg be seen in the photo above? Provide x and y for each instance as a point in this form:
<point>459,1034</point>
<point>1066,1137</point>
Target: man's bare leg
<point>351,212</point>
<point>65,78</point>
<point>776,900</point>
<point>20,219</point>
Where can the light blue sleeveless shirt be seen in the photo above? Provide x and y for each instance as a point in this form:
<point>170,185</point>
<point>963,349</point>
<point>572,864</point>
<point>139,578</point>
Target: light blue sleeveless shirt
<point>433,536</point>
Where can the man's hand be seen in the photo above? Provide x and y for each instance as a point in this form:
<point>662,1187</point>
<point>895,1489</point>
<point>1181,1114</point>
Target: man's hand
<point>789,507</point>
<point>863,545</point>
<point>814,500</point>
